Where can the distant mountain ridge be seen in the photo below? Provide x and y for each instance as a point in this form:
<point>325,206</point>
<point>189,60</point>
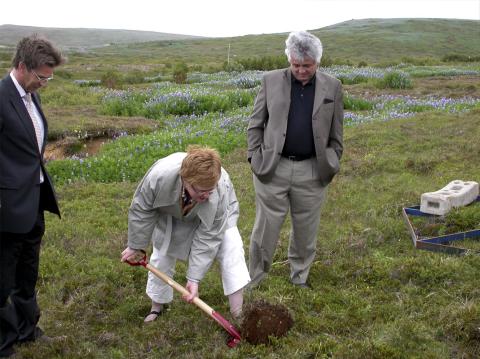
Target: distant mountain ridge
<point>372,40</point>
<point>78,38</point>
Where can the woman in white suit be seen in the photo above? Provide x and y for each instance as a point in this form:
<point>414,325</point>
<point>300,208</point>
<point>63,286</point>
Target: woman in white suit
<point>186,206</point>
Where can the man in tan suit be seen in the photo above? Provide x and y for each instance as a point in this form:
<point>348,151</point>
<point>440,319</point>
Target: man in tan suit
<point>295,142</point>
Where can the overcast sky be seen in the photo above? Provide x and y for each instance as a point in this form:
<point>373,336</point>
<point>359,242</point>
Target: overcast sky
<point>224,17</point>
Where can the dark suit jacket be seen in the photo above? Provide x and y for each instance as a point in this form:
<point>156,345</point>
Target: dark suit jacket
<point>21,163</point>
<point>268,124</point>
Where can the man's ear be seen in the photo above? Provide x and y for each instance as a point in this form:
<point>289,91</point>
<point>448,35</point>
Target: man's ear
<point>22,67</point>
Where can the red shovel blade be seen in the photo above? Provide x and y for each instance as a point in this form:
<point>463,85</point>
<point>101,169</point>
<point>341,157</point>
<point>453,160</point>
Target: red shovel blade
<point>234,334</point>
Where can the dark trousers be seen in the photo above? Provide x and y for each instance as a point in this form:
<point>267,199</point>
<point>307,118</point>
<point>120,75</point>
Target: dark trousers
<point>19,311</point>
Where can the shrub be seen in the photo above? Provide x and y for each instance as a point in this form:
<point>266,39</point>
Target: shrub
<point>326,61</point>
<point>395,80</point>
<point>197,68</point>
<point>188,103</point>
<point>423,61</point>
<point>245,82</point>
<point>362,64</point>
<point>356,104</point>
<point>180,71</point>
<point>111,79</point>
<point>123,103</point>
<point>87,83</point>
<point>352,79</point>
<point>460,58</point>
<point>264,63</point>
<point>69,94</point>
<point>134,77</point>
<point>233,66</point>
<point>63,74</point>
<point>342,62</point>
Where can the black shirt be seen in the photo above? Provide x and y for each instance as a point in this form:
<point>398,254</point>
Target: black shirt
<point>299,137</point>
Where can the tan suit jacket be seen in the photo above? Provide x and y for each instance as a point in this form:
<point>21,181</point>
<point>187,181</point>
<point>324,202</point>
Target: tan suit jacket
<point>268,124</point>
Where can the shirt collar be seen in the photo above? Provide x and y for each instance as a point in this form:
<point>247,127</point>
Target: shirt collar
<point>19,87</point>
<point>310,82</point>
<point>186,198</point>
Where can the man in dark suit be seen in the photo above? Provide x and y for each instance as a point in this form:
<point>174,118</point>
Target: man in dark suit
<point>25,189</point>
<point>295,142</point>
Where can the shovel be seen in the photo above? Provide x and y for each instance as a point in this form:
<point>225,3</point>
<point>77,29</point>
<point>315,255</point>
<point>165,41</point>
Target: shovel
<point>231,330</point>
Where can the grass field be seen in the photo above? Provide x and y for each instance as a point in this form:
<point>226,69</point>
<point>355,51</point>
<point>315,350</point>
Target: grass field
<point>375,296</point>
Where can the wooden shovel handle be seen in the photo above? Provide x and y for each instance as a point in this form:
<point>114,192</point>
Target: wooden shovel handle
<point>234,334</point>
<point>179,288</point>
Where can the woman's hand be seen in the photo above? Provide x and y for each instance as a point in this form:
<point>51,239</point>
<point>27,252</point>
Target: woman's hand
<point>132,255</point>
<point>192,287</point>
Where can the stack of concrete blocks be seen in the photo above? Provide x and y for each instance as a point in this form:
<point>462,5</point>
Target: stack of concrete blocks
<point>456,194</point>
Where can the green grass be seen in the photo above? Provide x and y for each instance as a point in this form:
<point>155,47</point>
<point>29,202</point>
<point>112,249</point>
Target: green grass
<point>375,295</point>
<point>213,110</point>
<point>370,41</point>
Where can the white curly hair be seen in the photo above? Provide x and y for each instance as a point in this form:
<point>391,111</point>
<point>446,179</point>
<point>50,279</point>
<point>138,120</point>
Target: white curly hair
<point>302,44</point>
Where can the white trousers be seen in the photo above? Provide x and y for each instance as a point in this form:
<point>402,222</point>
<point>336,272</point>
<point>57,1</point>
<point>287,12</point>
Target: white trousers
<point>231,257</point>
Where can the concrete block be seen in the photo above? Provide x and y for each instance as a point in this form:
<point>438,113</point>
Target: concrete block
<point>456,194</point>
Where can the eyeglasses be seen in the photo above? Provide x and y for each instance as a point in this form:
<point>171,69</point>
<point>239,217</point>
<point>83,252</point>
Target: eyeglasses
<point>42,78</point>
<point>203,191</point>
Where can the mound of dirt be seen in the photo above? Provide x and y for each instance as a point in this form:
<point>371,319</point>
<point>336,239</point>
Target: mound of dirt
<point>262,320</point>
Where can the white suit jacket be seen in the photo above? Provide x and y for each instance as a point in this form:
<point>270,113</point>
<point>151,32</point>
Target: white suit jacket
<point>155,215</point>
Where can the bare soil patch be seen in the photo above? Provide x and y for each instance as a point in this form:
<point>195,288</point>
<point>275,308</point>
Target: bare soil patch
<point>69,146</point>
<point>263,321</point>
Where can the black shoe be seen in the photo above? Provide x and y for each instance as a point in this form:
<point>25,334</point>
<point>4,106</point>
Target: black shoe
<point>37,333</point>
<point>7,353</point>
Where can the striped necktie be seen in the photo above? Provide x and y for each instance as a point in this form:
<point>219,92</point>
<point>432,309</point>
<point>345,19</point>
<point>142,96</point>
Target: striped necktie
<point>35,120</point>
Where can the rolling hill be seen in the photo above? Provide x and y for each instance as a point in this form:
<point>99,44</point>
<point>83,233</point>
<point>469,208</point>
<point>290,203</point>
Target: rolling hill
<point>395,38</point>
<point>372,40</point>
<point>81,38</point>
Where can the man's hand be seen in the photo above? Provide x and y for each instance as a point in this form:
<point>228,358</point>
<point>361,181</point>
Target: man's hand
<point>192,287</point>
<point>132,255</point>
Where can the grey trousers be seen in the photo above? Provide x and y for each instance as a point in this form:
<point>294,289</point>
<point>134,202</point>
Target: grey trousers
<point>295,187</point>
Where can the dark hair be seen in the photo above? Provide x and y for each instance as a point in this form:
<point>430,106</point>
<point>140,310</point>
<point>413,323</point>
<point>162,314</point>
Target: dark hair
<point>35,51</point>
